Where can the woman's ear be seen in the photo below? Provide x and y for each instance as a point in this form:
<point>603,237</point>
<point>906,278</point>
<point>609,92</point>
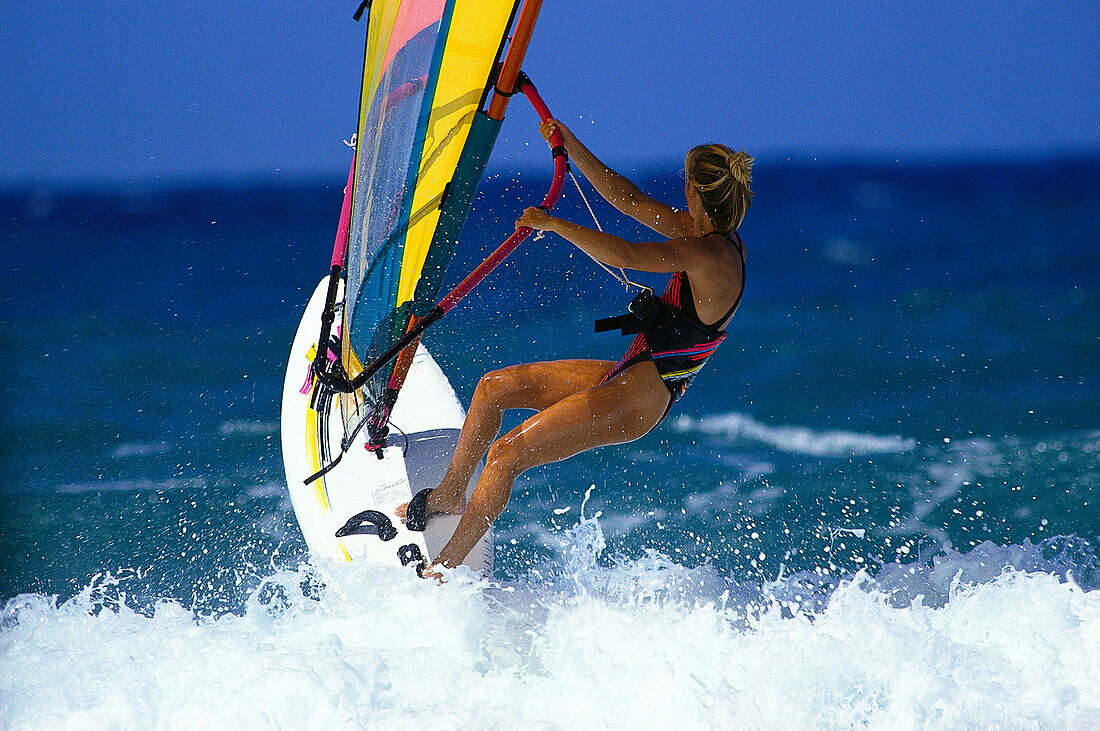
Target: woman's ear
<point>691,193</point>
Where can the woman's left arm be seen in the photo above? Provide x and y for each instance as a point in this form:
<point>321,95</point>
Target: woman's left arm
<point>649,256</point>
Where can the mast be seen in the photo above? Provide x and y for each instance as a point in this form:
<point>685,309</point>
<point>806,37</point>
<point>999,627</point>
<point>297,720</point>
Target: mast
<point>513,60</point>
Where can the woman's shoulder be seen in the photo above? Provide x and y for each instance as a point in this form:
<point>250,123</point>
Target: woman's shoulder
<point>720,246</point>
<point>680,227</point>
<point>720,259</point>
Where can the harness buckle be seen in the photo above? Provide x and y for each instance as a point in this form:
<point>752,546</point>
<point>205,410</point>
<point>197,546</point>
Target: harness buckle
<point>640,311</point>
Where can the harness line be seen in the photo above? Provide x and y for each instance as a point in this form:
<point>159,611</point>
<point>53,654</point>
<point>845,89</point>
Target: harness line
<point>621,276</point>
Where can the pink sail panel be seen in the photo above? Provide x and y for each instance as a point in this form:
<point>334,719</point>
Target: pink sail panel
<point>412,17</point>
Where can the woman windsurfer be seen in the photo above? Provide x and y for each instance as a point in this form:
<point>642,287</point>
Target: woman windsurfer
<point>583,404</point>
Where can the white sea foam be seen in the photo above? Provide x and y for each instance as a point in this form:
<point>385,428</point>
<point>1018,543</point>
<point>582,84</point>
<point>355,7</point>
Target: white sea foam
<point>622,523</point>
<point>643,644</point>
<point>139,449</point>
<point>140,485</point>
<point>952,471</point>
<point>272,489</point>
<point>799,440</point>
<point>248,428</point>
<point>755,501</point>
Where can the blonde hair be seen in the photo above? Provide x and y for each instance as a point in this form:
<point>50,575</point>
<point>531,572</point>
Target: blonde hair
<point>722,177</point>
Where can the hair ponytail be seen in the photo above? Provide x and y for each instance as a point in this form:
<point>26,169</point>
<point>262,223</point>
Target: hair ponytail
<point>723,179</point>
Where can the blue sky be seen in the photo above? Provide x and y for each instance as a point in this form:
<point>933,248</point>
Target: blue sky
<point>156,91</point>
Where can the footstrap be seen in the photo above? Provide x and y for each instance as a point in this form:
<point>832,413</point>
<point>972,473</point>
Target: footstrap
<point>410,553</point>
<point>416,515</point>
<point>368,523</point>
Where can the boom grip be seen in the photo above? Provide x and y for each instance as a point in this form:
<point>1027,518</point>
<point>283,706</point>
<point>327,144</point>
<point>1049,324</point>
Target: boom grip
<point>512,243</point>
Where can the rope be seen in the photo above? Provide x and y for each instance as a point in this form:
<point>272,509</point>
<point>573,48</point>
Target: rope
<point>621,276</point>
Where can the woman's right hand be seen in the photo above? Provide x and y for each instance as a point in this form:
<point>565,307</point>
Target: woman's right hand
<point>547,128</point>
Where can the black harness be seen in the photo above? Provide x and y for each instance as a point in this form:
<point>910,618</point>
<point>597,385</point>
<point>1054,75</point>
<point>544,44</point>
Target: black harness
<point>664,323</point>
<point>647,313</point>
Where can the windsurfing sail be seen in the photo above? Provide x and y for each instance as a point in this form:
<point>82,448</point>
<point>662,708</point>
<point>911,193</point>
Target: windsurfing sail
<point>421,148</point>
<point>426,127</point>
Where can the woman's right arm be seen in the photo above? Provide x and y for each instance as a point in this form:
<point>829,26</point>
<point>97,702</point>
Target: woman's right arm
<point>618,191</point>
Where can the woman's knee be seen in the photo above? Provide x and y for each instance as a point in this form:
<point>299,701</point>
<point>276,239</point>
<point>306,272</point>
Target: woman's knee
<point>498,475</point>
<point>490,386</point>
<point>505,457</point>
<point>500,387</point>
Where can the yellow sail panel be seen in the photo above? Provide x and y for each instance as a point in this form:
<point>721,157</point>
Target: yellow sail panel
<point>383,14</point>
<point>473,41</point>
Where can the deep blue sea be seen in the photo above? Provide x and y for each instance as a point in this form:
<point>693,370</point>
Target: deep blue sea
<point>878,505</point>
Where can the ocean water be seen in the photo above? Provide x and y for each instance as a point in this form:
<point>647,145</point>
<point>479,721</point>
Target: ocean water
<point>876,506</point>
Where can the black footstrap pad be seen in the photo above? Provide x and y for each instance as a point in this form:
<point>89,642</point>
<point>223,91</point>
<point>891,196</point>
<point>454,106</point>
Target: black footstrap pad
<point>408,554</point>
<point>368,523</point>
<point>416,517</point>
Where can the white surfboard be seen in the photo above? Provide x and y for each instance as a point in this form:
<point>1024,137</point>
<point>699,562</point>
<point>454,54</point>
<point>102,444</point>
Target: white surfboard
<point>429,415</point>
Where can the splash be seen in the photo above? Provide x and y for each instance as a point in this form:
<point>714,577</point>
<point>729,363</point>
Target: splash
<point>965,640</point>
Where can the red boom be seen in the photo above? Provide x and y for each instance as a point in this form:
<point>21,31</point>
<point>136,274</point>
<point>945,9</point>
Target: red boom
<point>474,278</point>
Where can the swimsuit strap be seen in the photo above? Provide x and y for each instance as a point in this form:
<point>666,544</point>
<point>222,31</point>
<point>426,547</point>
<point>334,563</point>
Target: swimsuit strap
<point>735,239</point>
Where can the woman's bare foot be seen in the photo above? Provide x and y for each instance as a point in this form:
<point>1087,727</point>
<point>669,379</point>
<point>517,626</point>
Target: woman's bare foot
<point>429,572</point>
<point>434,505</point>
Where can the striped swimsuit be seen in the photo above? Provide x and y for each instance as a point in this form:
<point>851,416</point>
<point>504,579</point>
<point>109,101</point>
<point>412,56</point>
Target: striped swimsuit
<point>671,334</point>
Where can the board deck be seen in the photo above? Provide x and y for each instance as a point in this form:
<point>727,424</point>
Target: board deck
<point>425,424</point>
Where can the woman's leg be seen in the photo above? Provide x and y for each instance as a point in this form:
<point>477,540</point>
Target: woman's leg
<point>618,411</point>
<point>528,386</point>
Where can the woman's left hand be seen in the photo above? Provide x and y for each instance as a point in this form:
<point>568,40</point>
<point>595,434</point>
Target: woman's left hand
<point>535,218</point>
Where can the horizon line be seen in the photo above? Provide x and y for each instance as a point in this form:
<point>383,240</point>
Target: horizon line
<point>277,178</point>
